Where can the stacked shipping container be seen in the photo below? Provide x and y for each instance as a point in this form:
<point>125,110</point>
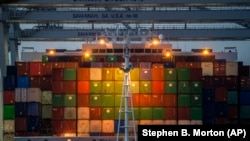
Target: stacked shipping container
<point>72,96</point>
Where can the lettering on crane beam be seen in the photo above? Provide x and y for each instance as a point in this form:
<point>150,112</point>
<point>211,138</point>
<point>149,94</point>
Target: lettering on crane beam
<point>105,15</point>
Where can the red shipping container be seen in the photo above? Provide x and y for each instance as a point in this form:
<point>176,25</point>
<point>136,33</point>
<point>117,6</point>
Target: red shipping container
<point>71,65</point>
<point>157,72</point>
<point>83,100</point>
<point>69,126</point>
<point>181,64</point>
<point>158,87</point>
<point>83,87</point>
<point>35,68</point>
<point>20,133</point>
<point>46,83</point>
<point>35,81</point>
<point>95,113</point>
<point>58,65</point>
<point>232,111</point>
<point>170,113</point>
<point>46,124</point>
<point>220,94</point>
<point>46,68</point>
<point>220,121</point>
<point>231,82</point>
<point>57,87</point>
<point>193,64</point>
<point>136,100</point>
<point>8,97</point>
<point>157,100</point>
<point>57,113</point>
<point>170,100</point>
<point>23,68</point>
<point>69,87</point>
<point>83,74</point>
<point>57,74</point>
<point>145,100</point>
<point>196,74</point>
<point>20,124</point>
<point>218,81</point>
<point>183,113</point>
<point>57,128</point>
<point>207,81</point>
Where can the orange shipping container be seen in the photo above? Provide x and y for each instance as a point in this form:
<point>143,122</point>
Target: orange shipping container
<point>82,100</point>
<point>95,113</point>
<point>157,72</point>
<point>157,100</point>
<point>145,100</point>
<point>83,74</point>
<point>83,87</point>
<point>157,87</point>
<point>46,68</point>
<point>35,68</point>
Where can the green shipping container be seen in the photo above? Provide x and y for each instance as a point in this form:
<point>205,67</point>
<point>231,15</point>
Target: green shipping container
<point>195,100</point>
<point>57,100</point>
<point>46,111</point>
<point>183,87</point>
<point>183,100</point>
<point>145,87</point>
<point>108,87</point>
<point>108,100</point>
<point>118,100</point>
<point>95,87</point>
<point>69,74</point>
<point>170,74</point>
<point>170,87</point>
<point>244,111</point>
<point>8,112</point>
<point>146,113</point>
<point>158,113</point>
<point>135,74</point>
<point>183,74</point>
<point>118,87</point>
<point>69,100</point>
<point>196,113</point>
<point>136,114</point>
<point>232,97</point>
<point>95,100</point>
<point>45,58</point>
<point>111,58</point>
<point>108,113</point>
<point>117,112</point>
<point>196,87</point>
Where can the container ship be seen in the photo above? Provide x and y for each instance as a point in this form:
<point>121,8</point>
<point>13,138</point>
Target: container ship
<point>72,95</point>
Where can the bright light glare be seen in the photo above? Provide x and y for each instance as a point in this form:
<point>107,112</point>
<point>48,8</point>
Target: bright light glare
<point>155,42</point>
<point>102,41</point>
<point>51,52</point>
<point>205,52</point>
<point>87,54</point>
<point>168,54</point>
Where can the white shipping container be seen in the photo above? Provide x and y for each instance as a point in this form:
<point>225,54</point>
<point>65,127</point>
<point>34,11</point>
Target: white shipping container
<point>83,113</point>
<point>83,126</point>
<point>170,122</point>
<point>34,95</point>
<point>9,126</point>
<point>95,74</point>
<point>232,68</point>
<point>108,126</point>
<point>20,94</point>
<point>46,97</point>
<point>145,122</point>
<point>207,68</point>
<point>8,137</point>
<point>95,126</point>
<point>69,112</point>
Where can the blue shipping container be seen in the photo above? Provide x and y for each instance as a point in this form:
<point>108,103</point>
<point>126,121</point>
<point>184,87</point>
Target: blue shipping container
<point>245,97</point>
<point>20,109</point>
<point>122,123</point>
<point>9,83</point>
<point>208,95</point>
<point>221,109</point>
<point>208,109</point>
<point>34,123</point>
<point>23,82</point>
<point>34,109</point>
